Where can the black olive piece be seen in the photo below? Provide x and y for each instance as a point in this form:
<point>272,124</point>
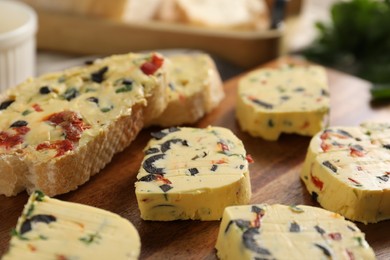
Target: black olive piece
<point>19,123</point>
<point>93,99</point>
<point>294,227</point>
<point>214,168</point>
<point>127,82</point>
<point>358,147</point>
<point>299,89</point>
<point>285,97</point>
<point>241,167</point>
<point>152,150</point>
<point>330,166</point>
<point>6,104</point>
<point>324,93</point>
<point>44,90</point>
<point>262,103</point>
<point>384,178</point>
<point>26,226</point>
<point>165,187</point>
<point>167,145</point>
<point>89,62</point>
<point>256,209</point>
<point>314,196</point>
<point>251,243</point>
<point>351,228</point>
<point>149,167</point>
<point>343,132</point>
<point>98,76</point>
<point>193,171</point>
<point>319,230</point>
<point>148,178</point>
<point>242,224</point>
<point>70,94</point>
<point>323,249</point>
<point>161,134</point>
<point>386,146</point>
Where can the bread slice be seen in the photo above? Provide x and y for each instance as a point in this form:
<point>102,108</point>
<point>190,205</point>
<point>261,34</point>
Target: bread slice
<point>232,14</point>
<point>58,130</point>
<point>121,10</point>
<point>195,88</point>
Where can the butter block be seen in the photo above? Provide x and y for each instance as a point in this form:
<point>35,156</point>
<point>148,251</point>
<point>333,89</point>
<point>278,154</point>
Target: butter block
<point>54,229</point>
<point>347,171</point>
<point>192,173</point>
<point>289,99</point>
<point>288,232</point>
<point>195,88</point>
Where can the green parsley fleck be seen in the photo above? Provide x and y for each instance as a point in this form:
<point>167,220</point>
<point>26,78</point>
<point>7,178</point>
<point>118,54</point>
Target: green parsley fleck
<point>15,233</point>
<point>26,112</point>
<point>106,109</point>
<point>39,195</point>
<point>91,238</point>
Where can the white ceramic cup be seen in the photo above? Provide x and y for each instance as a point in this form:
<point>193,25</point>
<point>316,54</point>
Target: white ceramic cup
<point>18,26</point>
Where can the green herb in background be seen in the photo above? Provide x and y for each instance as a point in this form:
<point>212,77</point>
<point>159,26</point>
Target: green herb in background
<point>357,41</point>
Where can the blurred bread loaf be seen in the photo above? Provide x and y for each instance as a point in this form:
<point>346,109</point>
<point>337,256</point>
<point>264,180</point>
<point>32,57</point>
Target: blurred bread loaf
<point>222,14</point>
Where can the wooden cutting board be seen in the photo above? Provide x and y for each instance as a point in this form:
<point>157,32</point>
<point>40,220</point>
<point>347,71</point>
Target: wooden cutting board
<point>274,177</point>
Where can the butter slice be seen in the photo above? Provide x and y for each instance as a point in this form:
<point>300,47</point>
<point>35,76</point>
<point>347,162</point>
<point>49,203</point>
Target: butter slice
<point>347,169</point>
<point>53,229</point>
<point>284,100</point>
<point>281,232</point>
<point>195,88</point>
<point>192,173</point>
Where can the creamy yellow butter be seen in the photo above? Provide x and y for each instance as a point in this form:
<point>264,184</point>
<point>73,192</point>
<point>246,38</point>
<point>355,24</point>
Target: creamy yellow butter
<point>347,170</point>
<point>53,229</point>
<point>195,88</point>
<point>281,232</point>
<point>192,173</point>
<point>290,99</point>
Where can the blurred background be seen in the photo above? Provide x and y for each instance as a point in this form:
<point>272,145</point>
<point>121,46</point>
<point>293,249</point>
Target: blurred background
<point>350,35</point>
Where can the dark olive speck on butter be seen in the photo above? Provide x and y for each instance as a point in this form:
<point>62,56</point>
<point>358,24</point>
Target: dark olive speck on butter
<point>44,90</point>
<point>6,104</point>
<point>19,123</point>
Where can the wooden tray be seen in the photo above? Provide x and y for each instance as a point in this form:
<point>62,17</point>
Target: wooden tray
<point>88,35</point>
<point>274,177</point>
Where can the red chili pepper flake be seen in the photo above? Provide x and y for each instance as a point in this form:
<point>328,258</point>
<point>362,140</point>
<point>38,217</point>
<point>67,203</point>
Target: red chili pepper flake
<point>160,177</point>
<point>22,130</point>
<point>32,248</point>
<point>317,182</point>
<point>70,122</point>
<point>37,108</point>
<point>249,158</point>
<point>61,257</point>
<point>325,147</point>
<point>150,67</point>
<point>259,214</point>
<point>10,140</point>
<point>220,161</point>
<point>355,152</point>
<point>62,146</point>
<point>223,147</point>
<point>350,254</point>
<point>354,181</point>
<point>335,236</point>
<point>305,125</point>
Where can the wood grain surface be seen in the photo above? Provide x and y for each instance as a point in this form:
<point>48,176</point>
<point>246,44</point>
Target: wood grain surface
<point>274,177</point>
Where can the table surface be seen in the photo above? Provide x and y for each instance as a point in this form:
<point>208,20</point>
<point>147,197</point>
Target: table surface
<point>274,177</point>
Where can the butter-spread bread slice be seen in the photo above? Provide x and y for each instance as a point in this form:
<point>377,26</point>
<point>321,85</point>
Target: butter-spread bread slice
<point>58,130</point>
